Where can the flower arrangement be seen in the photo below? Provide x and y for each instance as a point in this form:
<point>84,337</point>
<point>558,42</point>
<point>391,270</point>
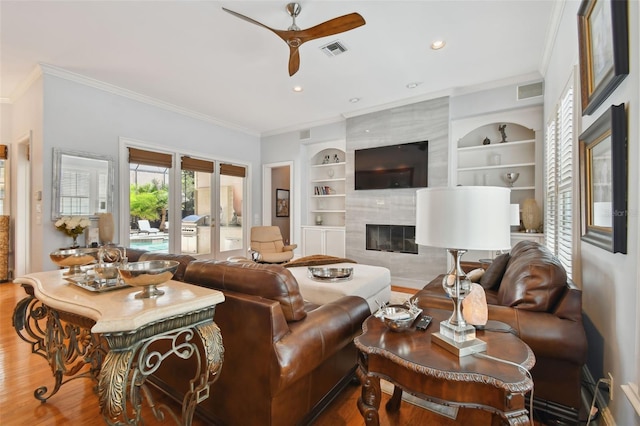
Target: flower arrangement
<point>73,226</point>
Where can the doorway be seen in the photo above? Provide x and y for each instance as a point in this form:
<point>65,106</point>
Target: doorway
<point>22,225</point>
<point>277,180</point>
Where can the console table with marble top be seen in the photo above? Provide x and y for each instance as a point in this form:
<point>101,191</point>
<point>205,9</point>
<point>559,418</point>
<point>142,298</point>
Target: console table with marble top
<point>109,337</point>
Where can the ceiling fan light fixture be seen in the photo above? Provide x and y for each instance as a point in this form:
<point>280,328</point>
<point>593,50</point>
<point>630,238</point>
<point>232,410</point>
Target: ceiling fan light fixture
<point>438,44</point>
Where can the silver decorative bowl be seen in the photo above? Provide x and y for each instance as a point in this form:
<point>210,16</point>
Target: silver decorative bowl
<point>148,275</point>
<point>74,259</point>
<point>106,271</point>
<point>398,318</point>
<point>330,274</point>
<point>511,178</point>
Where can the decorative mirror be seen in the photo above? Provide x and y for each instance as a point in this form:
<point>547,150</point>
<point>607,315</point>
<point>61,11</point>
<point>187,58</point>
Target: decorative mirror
<point>82,184</point>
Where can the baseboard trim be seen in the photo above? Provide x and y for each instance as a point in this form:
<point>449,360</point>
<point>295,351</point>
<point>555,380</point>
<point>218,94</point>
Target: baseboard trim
<point>604,411</point>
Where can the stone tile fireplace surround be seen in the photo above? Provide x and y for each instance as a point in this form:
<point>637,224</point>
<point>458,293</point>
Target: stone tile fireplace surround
<point>428,120</point>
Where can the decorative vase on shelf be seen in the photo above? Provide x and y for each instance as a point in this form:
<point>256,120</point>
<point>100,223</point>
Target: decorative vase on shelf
<point>105,228</point>
<point>75,244</point>
<point>531,216</point>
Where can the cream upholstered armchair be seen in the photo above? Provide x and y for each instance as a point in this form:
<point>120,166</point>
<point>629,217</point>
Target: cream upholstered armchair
<point>267,245</point>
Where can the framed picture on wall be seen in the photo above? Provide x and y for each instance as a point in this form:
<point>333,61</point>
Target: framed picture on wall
<point>604,50</point>
<point>282,203</point>
<point>603,172</point>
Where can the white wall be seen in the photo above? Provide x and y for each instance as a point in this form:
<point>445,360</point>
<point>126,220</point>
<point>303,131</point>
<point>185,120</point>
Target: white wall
<point>5,123</point>
<point>289,147</point>
<point>609,281</point>
<point>82,118</point>
<point>26,118</point>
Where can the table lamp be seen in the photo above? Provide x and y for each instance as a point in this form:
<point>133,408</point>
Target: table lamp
<point>459,219</point>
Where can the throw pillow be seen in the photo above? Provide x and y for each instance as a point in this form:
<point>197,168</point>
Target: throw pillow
<point>494,273</point>
<point>475,275</point>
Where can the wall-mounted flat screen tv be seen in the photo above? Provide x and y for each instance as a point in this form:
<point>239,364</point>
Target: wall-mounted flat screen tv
<point>393,166</point>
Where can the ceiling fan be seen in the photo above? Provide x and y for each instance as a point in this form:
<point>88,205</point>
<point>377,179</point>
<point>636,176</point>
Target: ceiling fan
<point>294,36</point>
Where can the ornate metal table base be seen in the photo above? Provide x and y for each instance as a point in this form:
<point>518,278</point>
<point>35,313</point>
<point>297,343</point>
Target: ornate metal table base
<point>121,362</point>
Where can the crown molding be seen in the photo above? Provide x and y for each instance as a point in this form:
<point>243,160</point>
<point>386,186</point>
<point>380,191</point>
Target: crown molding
<point>129,94</point>
<point>34,75</point>
<point>551,35</point>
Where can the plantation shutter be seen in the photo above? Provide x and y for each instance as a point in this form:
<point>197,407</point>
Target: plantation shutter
<point>551,212</point>
<point>559,181</point>
<point>565,180</point>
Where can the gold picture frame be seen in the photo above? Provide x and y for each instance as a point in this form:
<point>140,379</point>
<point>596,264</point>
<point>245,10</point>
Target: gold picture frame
<point>603,169</point>
<point>603,38</point>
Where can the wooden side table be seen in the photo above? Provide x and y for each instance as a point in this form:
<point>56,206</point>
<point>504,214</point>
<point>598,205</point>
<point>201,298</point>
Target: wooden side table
<point>414,364</point>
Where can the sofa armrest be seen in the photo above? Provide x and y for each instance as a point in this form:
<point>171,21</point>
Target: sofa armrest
<point>321,334</point>
<point>546,334</point>
<point>290,247</point>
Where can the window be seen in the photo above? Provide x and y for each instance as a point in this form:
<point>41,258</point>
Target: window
<point>559,165</point>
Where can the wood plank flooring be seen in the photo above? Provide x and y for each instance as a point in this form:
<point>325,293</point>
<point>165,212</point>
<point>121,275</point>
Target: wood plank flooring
<point>21,372</point>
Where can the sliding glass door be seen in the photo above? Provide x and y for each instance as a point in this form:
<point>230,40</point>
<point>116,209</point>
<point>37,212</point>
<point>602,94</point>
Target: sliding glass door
<point>232,193</point>
<point>183,204</point>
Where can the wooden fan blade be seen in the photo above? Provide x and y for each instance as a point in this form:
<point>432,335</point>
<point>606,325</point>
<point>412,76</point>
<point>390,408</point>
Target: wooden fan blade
<point>294,60</point>
<point>333,26</point>
<point>246,18</point>
<point>283,34</point>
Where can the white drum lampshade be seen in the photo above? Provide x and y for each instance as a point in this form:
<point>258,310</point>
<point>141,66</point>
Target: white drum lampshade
<point>464,217</point>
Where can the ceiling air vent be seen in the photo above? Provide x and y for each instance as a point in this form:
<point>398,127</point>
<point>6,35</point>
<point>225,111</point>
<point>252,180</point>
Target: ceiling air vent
<point>527,91</point>
<point>334,48</point>
<point>305,134</point>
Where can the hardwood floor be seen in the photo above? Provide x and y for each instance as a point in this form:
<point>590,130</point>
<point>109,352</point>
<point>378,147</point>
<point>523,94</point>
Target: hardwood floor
<point>21,372</point>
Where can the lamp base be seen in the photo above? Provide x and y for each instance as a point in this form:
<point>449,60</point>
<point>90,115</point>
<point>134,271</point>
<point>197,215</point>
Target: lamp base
<point>457,333</point>
<point>461,349</point>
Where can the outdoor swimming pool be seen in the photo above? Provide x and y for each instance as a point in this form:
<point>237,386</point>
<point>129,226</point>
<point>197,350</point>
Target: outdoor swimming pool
<point>158,245</point>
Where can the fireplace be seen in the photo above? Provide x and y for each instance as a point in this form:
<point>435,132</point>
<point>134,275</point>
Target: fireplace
<point>391,238</point>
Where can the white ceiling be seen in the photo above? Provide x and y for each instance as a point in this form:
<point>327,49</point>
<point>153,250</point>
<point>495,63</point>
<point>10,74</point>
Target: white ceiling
<point>193,55</point>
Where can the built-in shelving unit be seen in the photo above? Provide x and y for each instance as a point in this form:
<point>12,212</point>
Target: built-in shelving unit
<point>327,176</point>
<point>482,155</point>
<point>480,164</point>
<point>324,232</point>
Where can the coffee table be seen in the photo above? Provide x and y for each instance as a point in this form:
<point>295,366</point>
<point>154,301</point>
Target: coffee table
<point>414,364</point>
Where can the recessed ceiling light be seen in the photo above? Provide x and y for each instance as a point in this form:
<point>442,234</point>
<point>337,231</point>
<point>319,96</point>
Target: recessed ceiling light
<point>413,85</point>
<point>438,44</point>
<point>297,88</point>
<point>354,100</point>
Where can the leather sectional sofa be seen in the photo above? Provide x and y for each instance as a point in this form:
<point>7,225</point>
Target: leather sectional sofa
<point>284,360</point>
<point>528,289</point>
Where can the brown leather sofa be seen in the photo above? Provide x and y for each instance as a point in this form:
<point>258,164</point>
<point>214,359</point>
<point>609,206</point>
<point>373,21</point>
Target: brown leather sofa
<point>528,289</point>
<point>284,360</point>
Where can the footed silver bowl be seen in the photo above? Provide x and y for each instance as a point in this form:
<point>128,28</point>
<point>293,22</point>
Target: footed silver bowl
<point>149,275</point>
<point>74,259</point>
<point>397,317</point>
<point>511,178</point>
